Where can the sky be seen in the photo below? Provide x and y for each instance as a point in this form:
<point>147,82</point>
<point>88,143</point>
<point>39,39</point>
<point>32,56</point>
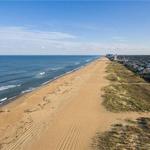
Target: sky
<point>74,27</point>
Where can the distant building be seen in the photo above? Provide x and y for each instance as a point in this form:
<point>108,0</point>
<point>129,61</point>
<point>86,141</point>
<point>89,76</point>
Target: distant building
<point>115,57</point>
<point>146,71</point>
<point>148,65</point>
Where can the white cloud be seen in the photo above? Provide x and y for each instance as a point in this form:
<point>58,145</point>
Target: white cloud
<point>21,40</point>
<point>22,33</point>
<point>119,39</point>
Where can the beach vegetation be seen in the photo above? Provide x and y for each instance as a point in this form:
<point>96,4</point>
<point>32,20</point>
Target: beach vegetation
<point>133,134</point>
<point>126,91</point>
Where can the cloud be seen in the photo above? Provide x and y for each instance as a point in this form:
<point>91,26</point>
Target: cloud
<point>22,33</point>
<point>119,39</point>
<point>23,40</point>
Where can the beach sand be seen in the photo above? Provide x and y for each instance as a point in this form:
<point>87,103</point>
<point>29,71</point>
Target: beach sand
<point>62,115</point>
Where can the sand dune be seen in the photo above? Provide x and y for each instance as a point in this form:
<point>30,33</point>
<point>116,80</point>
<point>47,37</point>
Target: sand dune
<point>62,115</point>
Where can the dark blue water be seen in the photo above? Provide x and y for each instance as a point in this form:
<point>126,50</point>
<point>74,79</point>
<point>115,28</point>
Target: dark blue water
<point>21,74</point>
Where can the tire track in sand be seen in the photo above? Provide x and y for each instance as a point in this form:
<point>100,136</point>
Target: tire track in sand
<point>26,136</point>
<point>69,140</point>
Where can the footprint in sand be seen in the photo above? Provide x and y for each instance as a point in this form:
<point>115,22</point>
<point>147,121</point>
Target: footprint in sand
<point>4,110</point>
<point>30,110</point>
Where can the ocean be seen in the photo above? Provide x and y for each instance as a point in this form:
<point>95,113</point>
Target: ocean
<point>22,74</point>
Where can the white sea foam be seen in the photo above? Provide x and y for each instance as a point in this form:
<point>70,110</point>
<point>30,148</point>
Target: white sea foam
<point>3,99</point>
<point>2,88</point>
<point>56,68</point>
<point>88,60</point>
<point>42,73</point>
<point>45,82</point>
<point>28,90</point>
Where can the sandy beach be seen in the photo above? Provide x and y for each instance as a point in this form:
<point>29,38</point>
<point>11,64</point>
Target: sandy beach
<point>62,115</point>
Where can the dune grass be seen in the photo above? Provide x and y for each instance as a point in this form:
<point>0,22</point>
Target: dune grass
<point>134,135</point>
<point>119,73</point>
<point>127,91</point>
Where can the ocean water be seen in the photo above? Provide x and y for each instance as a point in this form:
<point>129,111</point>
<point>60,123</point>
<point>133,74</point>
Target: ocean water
<point>21,74</point>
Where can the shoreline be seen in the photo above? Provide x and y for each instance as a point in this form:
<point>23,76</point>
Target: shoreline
<point>64,114</point>
<point>29,116</point>
<point>10,100</point>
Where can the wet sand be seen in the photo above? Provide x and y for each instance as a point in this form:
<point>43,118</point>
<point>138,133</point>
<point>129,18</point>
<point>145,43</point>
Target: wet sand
<point>62,115</point>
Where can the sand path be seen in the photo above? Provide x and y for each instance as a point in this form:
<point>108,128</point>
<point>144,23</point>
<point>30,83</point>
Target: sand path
<point>69,114</point>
